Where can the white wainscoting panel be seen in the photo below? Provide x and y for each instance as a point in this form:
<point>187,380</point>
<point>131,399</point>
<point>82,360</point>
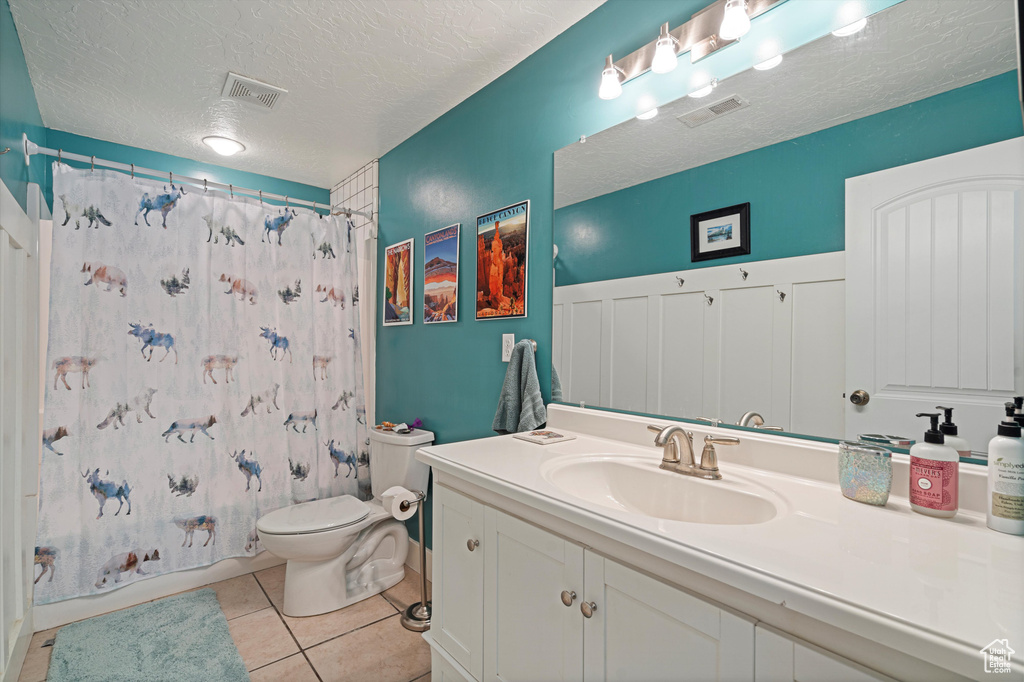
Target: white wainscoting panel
<point>716,346</point>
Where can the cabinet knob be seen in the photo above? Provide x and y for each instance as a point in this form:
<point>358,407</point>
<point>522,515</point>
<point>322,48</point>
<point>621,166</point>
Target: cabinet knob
<point>588,608</point>
<point>568,597</point>
<point>472,544</point>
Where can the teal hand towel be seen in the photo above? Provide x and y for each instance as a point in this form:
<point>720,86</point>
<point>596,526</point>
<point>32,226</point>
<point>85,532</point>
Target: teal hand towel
<point>520,406</point>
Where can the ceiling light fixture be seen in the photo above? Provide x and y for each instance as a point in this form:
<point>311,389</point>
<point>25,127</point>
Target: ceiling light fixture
<point>611,80</point>
<point>769,63</point>
<point>706,90</point>
<point>665,57</point>
<point>850,29</point>
<point>648,115</point>
<point>223,145</point>
<point>735,23</point>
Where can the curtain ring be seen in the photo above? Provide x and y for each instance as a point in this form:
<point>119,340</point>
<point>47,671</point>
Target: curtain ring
<point>204,184</point>
<point>261,197</point>
<point>133,171</point>
<point>286,203</point>
<point>170,176</point>
<point>92,167</point>
<point>59,152</point>
<point>232,189</point>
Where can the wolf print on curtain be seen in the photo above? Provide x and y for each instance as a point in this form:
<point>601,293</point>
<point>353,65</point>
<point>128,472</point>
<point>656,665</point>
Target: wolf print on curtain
<point>203,369</point>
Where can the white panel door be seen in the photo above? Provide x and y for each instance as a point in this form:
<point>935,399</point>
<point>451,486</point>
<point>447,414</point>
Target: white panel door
<point>643,629</point>
<point>783,658</point>
<point>458,603</point>
<point>529,634</point>
<point>935,291</point>
<point>746,347</point>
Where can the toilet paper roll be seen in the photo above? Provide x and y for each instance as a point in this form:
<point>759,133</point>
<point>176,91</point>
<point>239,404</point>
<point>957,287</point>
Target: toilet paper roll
<point>393,498</point>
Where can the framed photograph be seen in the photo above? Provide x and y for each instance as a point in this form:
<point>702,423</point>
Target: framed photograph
<point>502,245</point>
<point>721,233</point>
<point>398,283</point>
<point>441,275</point>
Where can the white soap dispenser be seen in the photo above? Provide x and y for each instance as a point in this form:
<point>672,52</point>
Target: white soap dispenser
<point>1005,500</point>
<point>934,473</point>
<point>949,430</point>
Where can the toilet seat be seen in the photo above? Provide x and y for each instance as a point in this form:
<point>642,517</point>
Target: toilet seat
<point>318,516</point>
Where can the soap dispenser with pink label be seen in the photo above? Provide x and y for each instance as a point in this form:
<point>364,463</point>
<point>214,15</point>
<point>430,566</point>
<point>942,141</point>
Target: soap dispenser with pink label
<point>934,473</point>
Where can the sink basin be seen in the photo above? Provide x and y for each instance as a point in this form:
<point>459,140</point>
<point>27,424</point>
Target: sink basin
<point>634,483</point>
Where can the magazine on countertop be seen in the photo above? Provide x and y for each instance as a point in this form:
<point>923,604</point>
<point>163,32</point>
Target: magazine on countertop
<point>544,437</point>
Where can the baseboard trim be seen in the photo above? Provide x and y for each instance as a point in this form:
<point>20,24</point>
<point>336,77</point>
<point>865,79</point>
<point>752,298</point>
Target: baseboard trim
<point>46,616</point>
<point>17,658</point>
<point>412,560</point>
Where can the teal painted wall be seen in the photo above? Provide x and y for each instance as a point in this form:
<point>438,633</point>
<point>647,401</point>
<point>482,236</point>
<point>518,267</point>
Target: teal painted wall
<point>178,165</point>
<point>795,188</point>
<point>19,112</point>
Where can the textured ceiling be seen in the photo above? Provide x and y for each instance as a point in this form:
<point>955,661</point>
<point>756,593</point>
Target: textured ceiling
<point>362,75</point>
<point>913,50</point>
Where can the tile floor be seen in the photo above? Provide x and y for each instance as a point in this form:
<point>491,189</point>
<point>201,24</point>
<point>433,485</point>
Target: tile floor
<point>364,641</point>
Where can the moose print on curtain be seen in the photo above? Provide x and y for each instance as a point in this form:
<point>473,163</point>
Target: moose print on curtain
<point>196,380</point>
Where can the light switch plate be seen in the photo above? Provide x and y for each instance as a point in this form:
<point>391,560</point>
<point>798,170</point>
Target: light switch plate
<point>507,342</point>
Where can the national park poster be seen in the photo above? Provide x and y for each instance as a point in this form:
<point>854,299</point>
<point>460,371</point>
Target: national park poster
<point>441,275</point>
<point>398,283</point>
<point>502,245</point>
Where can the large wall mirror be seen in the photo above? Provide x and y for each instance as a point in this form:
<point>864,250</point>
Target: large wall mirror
<point>885,273</point>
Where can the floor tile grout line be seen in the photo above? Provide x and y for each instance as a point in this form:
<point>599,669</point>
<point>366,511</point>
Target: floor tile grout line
<point>294,638</point>
<point>354,630</point>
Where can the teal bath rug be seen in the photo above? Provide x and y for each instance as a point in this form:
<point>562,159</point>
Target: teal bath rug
<point>184,637</point>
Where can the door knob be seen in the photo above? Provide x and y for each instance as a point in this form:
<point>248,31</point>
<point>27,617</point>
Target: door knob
<point>568,597</point>
<point>588,608</point>
<point>860,397</point>
<point>472,544</point>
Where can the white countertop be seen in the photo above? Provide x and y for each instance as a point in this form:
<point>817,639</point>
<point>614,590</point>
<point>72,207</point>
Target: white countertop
<point>919,584</point>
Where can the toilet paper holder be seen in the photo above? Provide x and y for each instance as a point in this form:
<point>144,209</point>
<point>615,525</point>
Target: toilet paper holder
<point>417,616</point>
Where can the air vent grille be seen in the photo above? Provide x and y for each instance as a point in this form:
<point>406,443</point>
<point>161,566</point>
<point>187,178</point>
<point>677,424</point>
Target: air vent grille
<point>709,113</point>
<point>251,91</point>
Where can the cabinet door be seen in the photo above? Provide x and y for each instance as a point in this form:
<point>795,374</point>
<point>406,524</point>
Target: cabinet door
<point>643,629</point>
<point>459,578</point>
<point>529,634</point>
<point>783,658</point>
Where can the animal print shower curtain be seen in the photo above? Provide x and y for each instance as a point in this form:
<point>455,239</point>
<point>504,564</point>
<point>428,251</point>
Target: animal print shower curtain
<point>203,369</point>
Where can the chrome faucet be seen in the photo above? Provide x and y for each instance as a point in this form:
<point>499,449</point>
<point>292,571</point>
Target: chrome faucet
<point>753,419</point>
<point>671,439</point>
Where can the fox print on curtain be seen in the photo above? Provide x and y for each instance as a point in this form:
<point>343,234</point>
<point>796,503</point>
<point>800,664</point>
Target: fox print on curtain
<point>196,380</point>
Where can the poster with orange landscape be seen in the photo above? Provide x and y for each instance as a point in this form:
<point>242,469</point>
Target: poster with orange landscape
<point>441,275</point>
<point>502,245</point>
<point>398,283</point>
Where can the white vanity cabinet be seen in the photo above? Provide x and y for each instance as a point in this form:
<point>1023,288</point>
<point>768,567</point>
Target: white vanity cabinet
<point>458,569</point>
<point>529,620</point>
<point>784,658</point>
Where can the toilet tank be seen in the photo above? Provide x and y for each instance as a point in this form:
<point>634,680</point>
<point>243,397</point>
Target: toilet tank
<point>393,460</point>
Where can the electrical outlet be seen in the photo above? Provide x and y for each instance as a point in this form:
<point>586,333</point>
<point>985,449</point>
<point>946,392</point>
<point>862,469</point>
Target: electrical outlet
<point>507,342</point>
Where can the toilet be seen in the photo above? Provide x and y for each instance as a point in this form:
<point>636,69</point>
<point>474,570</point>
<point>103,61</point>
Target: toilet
<point>341,550</point>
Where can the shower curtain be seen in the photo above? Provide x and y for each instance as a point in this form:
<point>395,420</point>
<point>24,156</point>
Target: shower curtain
<point>203,369</point>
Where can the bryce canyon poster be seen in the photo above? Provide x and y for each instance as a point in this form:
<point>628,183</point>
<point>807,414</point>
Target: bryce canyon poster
<point>501,249</point>
<point>441,275</point>
<point>398,283</point>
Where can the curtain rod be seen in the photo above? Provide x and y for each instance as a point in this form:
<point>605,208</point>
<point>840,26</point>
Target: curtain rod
<point>32,148</point>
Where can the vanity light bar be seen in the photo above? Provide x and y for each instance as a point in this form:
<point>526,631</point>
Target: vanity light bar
<point>698,36</point>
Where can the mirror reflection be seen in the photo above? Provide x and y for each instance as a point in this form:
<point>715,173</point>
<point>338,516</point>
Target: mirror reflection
<point>882,273</point>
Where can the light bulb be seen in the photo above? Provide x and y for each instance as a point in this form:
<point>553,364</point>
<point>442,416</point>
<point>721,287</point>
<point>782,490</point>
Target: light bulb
<point>769,63</point>
<point>664,52</point>
<point>223,145</point>
<point>850,29</point>
<point>706,90</point>
<point>735,23</point>
<point>611,85</point>
<point>648,115</point>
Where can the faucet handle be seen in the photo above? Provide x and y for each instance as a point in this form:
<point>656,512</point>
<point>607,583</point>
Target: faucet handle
<point>709,420</point>
<point>709,458</point>
<point>721,440</point>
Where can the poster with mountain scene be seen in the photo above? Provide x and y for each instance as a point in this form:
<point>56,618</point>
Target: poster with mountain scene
<point>441,275</point>
<point>398,283</point>
<point>502,245</point>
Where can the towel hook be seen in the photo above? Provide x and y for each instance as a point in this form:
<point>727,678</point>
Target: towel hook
<point>680,281</point>
<point>782,295</point>
<point>743,274</point>
<point>710,299</point>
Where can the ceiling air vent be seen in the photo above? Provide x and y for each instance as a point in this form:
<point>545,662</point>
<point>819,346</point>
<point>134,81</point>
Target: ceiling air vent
<point>251,91</point>
<point>712,111</point>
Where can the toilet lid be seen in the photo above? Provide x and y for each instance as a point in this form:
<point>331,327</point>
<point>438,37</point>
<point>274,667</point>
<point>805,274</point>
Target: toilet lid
<point>314,517</point>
